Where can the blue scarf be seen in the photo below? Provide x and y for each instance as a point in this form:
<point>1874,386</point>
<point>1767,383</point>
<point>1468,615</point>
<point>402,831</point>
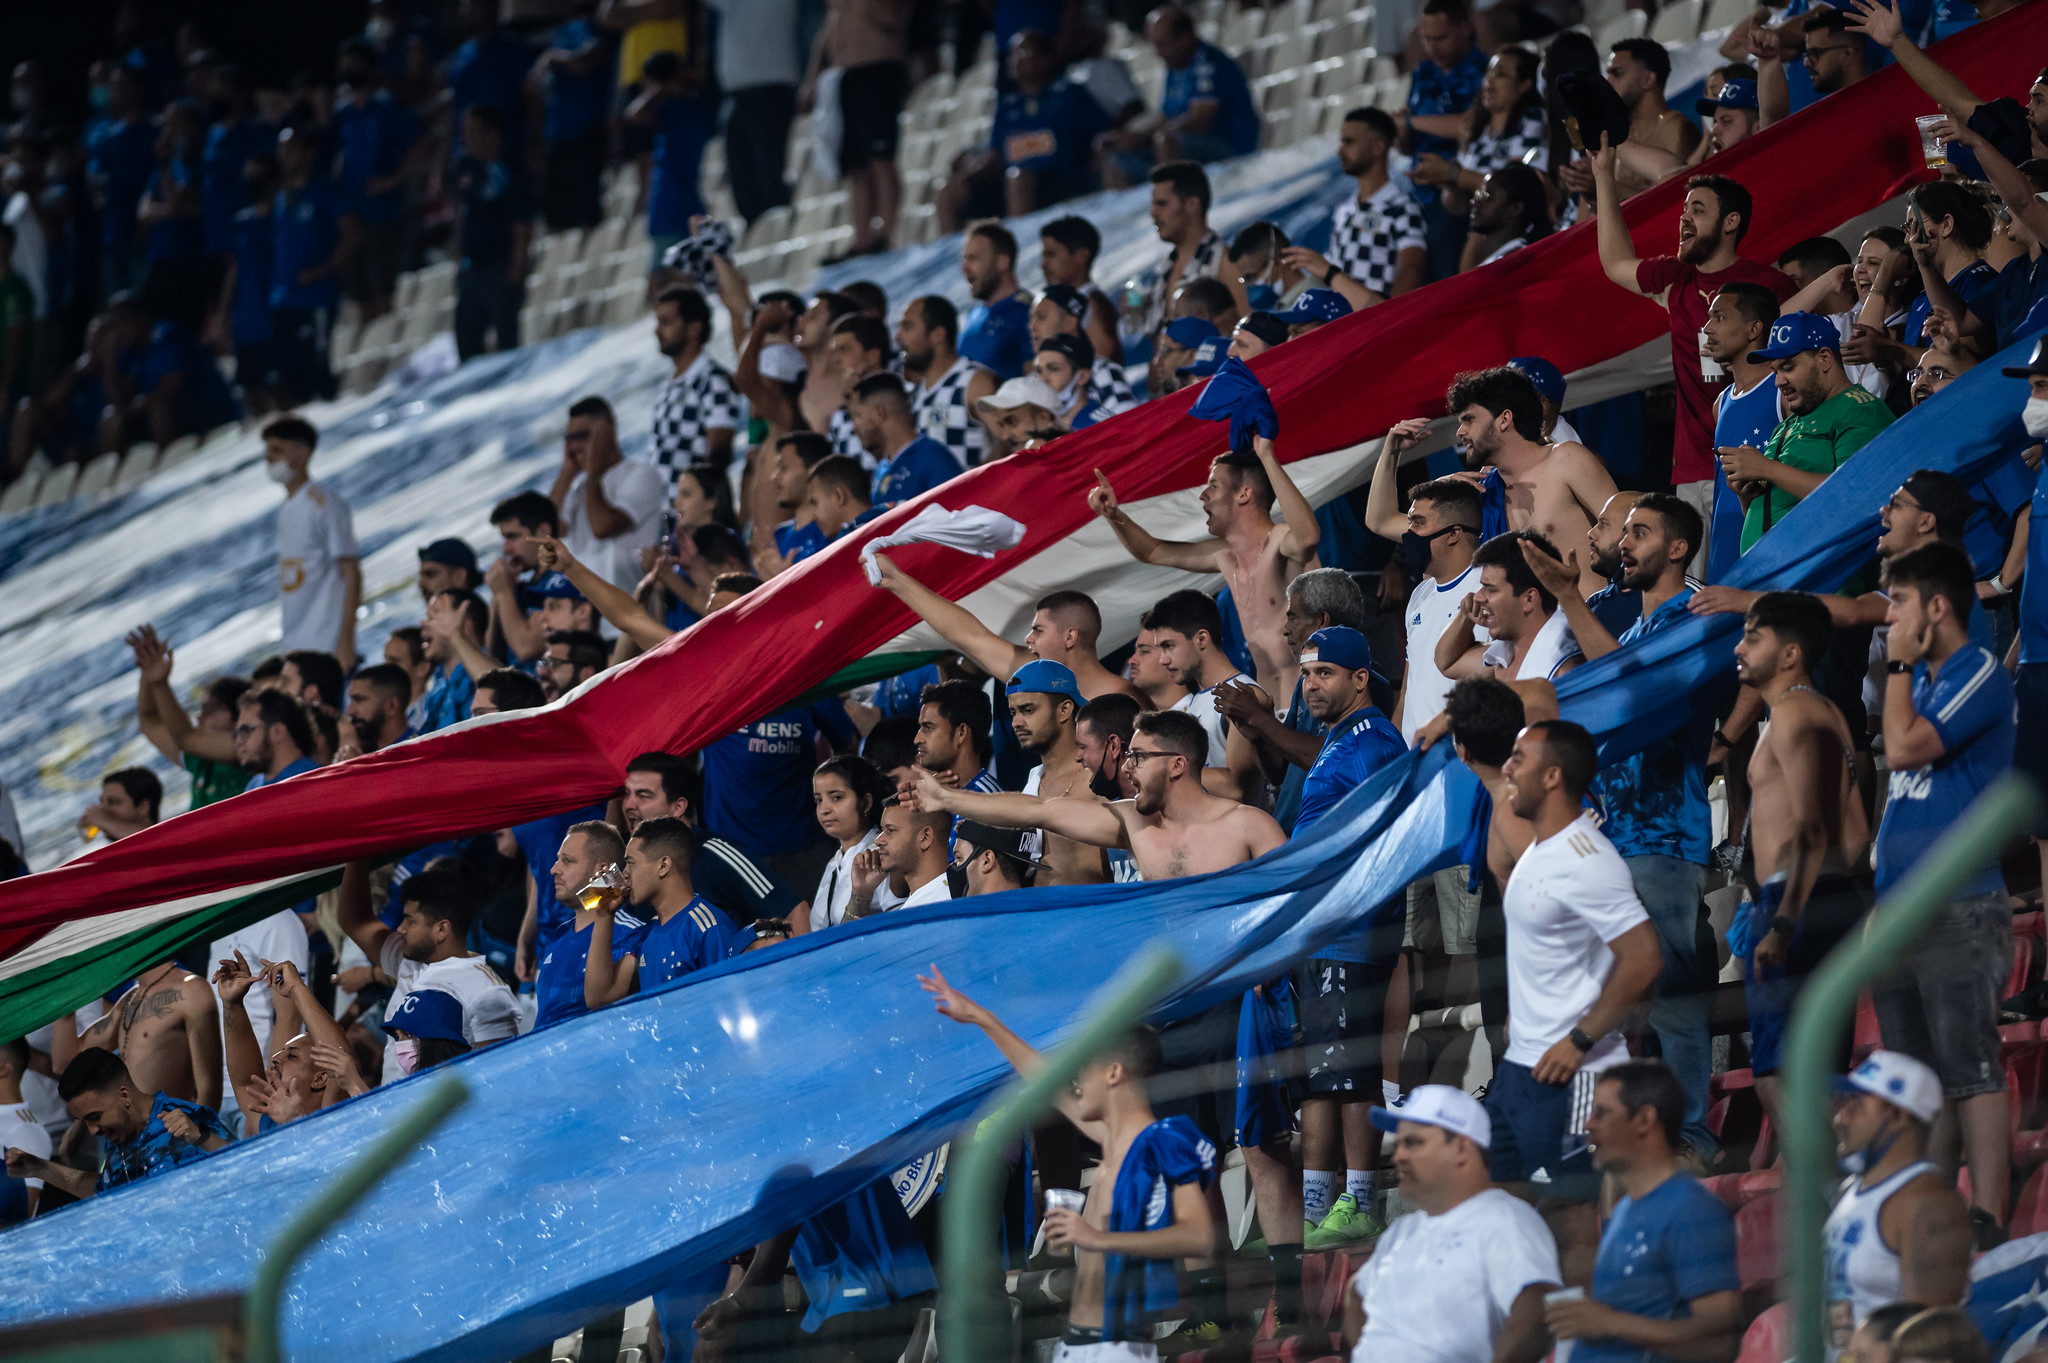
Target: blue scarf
<point>1234,394</point>
<point>1493,506</point>
<point>1472,851</point>
<point>1135,1291</point>
<point>1265,1027</point>
<point>1724,541</point>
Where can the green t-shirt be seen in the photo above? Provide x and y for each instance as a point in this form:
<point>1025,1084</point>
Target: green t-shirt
<point>1819,442</point>
<point>213,781</point>
<point>17,304</point>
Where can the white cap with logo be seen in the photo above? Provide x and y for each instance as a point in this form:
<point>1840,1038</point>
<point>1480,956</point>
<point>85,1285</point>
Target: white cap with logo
<point>1455,1110</point>
<point>1900,1080</point>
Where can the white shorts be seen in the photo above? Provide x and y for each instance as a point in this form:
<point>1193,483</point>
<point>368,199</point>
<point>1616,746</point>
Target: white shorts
<point>1108,1351</point>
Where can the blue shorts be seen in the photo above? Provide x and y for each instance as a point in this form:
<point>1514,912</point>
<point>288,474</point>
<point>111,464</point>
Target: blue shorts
<point>1539,1132</point>
<point>1833,910</point>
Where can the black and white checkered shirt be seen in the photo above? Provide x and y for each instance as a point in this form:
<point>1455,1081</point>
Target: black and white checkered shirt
<point>839,430</point>
<point>689,407</point>
<point>1109,389</point>
<point>1366,239</point>
<point>1206,259</point>
<point>940,411</point>
<point>1528,133</point>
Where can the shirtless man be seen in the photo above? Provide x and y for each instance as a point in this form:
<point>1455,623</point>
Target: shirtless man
<point>1807,831</point>
<point>1149,1199</point>
<point>166,1031</point>
<point>1045,699</point>
<point>1256,557</point>
<point>1557,489</point>
<point>1064,628</point>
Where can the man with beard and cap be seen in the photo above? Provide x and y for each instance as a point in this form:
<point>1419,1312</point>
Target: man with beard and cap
<point>697,409</point>
<point>1711,224</point>
<point>1045,701</point>
<point>942,404</point>
<point>1555,489</point>
<point>1656,799</point>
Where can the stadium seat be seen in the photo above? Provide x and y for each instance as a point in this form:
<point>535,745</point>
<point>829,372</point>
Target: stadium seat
<point>1627,24</point>
<point>21,493</point>
<point>1723,14</point>
<point>1867,1037</point>
<point>1756,1242</point>
<point>57,486</point>
<point>98,474</point>
<point>142,459</point>
<point>2030,1216</point>
<point>1769,1337</point>
<point>1677,22</point>
<point>1241,30</point>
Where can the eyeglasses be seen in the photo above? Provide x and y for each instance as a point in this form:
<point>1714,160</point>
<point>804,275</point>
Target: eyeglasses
<point>1901,502</point>
<point>1932,371</point>
<point>1814,54</point>
<point>555,664</point>
<point>1136,755</point>
<point>244,730</point>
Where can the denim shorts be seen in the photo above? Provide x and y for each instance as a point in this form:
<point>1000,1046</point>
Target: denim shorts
<point>1941,1005</point>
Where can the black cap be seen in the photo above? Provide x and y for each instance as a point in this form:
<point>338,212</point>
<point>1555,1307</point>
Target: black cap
<point>1592,104</point>
<point>1943,496</point>
<point>451,553</point>
<point>1068,298</point>
<point>1007,841</point>
<point>2037,363</point>
<point>1265,326</point>
<point>1075,346</point>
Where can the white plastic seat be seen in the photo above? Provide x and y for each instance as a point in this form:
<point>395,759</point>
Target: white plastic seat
<point>142,460</point>
<point>1628,24</point>
<point>1726,13</point>
<point>21,493</point>
<point>1677,22</point>
<point>57,486</point>
<point>98,474</point>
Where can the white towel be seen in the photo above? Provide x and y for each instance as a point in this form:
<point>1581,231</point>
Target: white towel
<point>971,529</point>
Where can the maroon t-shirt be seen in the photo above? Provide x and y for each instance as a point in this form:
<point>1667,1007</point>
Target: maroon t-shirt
<point>1692,450</point>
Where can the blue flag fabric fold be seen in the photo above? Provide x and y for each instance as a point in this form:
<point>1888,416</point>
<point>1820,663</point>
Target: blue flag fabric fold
<point>1234,394</point>
<point>1493,505</point>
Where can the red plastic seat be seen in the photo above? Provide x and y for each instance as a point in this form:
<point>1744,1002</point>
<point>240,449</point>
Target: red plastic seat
<point>2022,966</point>
<point>1769,1337</point>
<point>2030,925</point>
<point>1724,1186</point>
<point>1755,1184</point>
<point>1867,1036</point>
<point>2030,1217</point>
<point>1756,1242</point>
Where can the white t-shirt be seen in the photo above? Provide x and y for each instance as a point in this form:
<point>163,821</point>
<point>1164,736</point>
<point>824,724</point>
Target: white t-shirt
<point>1569,896</point>
<point>1202,705</point>
<point>1564,431</point>
<point>1438,1289</point>
<point>835,886</point>
<point>1431,608</point>
<point>639,490</point>
<point>1551,649</point>
<point>490,1011</point>
<point>315,531</point>
<point>20,1129</point>
<point>933,891</point>
<point>278,938</point>
<point>1868,375</point>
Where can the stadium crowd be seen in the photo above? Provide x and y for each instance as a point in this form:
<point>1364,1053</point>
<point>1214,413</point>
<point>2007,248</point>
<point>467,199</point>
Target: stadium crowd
<point>1580,943</point>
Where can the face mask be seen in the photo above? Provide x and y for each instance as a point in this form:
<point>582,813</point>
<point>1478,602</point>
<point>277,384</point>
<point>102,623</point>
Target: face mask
<point>1262,297</point>
<point>279,473</point>
<point>102,97</point>
<point>380,31</point>
<point>1854,1162</point>
<point>2035,417</point>
<point>956,880</point>
<point>407,1054</point>
<point>1105,785</point>
<point>1415,550</point>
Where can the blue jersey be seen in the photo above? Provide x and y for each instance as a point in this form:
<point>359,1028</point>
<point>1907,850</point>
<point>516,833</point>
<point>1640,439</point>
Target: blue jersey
<point>558,983</point>
<point>860,1255</point>
<point>798,542</point>
<point>732,882</point>
<point>2004,306</point>
<point>222,190</point>
<point>915,469</point>
<point>154,1148</point>
<point>1049,133</point>
<point>491,70</point>
<point>1660,1253</point>
<point>1212,75</point>
<point>1165,1155</point>
<point>695,938</point>
<point>496,199</point>
<point>1746,419</point>
<point>181,236</point>
<point>997,336</point>
<point>449,692</point>
<point>757,780</point>
<point>1970,282</point>
<point>682,125</point>
<point>254,247</point>
<point>1360,744</point>
<point>1434,89</point>
<point>1654,802</point>
<point>901,697</point>
<point>1970,704</point>
<point>2034,587</point>
<point>374,140</point>
<point>1616,607</point>
<point>576,104</point>
<point>307,224</point>
<point>206,401</point>
<point>540,841</point>
<point>121,158</point>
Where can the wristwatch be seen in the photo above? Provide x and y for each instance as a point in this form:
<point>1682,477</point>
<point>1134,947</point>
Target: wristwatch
<point>1329,275</point>
<point>1581,1040</point>
<point>1898,667</point>
<point>1783,926</point>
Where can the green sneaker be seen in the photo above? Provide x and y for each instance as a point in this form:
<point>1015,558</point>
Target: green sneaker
<point>1346,1225</point>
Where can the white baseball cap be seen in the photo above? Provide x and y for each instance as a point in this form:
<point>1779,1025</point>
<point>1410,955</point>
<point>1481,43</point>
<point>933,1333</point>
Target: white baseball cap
<point>1029,390</point>
<point>1900,1080</point>
<point>1455,1110</point>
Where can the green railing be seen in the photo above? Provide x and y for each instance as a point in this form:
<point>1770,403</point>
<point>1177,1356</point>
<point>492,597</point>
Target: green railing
<point>971,1328</point>
<point>266,1293</point>
<point>1826,1005</point>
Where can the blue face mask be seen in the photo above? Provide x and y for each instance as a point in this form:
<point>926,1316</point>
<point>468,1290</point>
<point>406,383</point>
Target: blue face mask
<point>1262,297</point>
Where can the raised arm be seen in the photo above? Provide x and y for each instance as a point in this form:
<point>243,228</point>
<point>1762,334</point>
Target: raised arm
<point>1023,1057</point>
<point>1141,544</point>
<point>956,624</point>
<point>153,665</point>
<point>177,727</point>
<point>1617,248</point>
<point>605,980</point>
<point>1883,23</point>
<point>614,603</point>
<point>232,980</point>
<point>79,1183</point>
<point>352,909</point>
<point>1459,653</point>
<point>1383,514</point>
<point>1561,580</point>
<point>1298,541</point>
<point>1088,821</point>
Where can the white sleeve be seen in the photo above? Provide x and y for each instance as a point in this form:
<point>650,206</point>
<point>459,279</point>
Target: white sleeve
<point>32,1138</point>
<point>492,1015</point>
<point>1521,1253</point>
<point>391,956</point>
<point>1604,895</point>
<point>341,528</point>
<point>642,490</point>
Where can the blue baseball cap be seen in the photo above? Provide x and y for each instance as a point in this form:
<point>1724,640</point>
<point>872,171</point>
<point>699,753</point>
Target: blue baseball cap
<point>1190,331</point>
<point>1051,678</point>
<point>1547,377</point>
<point>1796,332</point>
<point>1339,644</point>
<point>427,1013</point>
<point>555,585</point>
<point>1209,357</point>
<point>1317,305</point>
<point>1735,94</point>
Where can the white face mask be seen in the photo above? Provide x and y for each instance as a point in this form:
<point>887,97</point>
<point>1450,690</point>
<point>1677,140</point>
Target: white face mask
<point>2035,416</point>
<point>380,30</point>
<point>278,472</point>
<point>407,1053</point>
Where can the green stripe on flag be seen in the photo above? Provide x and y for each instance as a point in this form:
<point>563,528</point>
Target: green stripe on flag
<point>873,668</point>
<point>35,997</point>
